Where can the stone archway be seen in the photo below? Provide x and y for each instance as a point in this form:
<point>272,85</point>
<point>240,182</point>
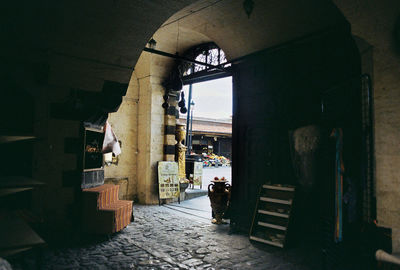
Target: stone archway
<point>82,45</point>
<point>270,24</point>
<point>228,26</point>
<point>321,48</point>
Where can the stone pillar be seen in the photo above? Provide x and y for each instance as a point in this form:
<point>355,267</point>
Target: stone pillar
<point>169,139</point>
<point>170,122</point>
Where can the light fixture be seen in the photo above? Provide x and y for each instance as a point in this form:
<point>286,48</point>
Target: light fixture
<point>181,103</point>
<point>152,44</point>
<point>248,6</point>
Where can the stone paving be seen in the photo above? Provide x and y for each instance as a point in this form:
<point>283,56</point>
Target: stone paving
<point>160,238</point>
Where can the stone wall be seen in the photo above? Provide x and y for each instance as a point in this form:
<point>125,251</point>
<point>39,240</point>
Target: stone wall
<point>374,21</point>
<point>139,124</point>
<point>124,123</point>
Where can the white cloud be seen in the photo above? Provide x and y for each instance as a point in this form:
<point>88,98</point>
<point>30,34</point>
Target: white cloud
<point>213,99</point>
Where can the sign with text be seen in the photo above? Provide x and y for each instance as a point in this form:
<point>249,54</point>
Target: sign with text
<point>168,180</point>
<point>198,173</point>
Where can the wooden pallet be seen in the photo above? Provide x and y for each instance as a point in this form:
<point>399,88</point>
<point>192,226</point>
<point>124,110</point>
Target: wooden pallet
<point>272,215</point>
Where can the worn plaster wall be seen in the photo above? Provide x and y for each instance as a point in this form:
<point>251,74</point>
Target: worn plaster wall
<point>139,124</point>
<point>374,21</point>
<point>124,123</point>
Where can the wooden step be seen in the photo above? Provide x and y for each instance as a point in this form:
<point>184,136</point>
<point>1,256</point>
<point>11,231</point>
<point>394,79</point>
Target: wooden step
<point>277,244</point>
<point>276,214</point>
<point>267,199</point>
<point>273,226</point>
<point>278,188</point>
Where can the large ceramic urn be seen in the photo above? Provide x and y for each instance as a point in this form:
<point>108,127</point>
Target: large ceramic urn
<point>219,192</point>
<point>306,145</point>
<point>180,150</point>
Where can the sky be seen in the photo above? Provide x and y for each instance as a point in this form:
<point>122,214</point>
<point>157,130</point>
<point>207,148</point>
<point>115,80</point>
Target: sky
<point>213,99</point>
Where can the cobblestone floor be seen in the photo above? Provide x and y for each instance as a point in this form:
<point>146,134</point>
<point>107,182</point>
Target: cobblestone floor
<point>161,238</point>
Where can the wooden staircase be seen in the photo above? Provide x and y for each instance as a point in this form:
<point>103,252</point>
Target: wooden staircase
<point>272,215</point>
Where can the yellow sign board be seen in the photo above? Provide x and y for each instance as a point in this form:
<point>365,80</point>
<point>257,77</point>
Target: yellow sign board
<point>198,173</point>
<point>168,180</point>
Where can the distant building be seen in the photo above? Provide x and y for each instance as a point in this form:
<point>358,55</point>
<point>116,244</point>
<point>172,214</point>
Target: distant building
<point>210,135</point>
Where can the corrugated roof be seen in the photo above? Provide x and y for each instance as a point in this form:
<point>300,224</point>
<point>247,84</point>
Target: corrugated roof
<point>210,126</point>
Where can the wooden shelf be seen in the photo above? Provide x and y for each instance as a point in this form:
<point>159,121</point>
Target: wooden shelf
<point>278,188</point>
<point>15,234</point>
<point>270,213</point>
<point>18,182</point>
<point>28,216</point>
<point>8,191</point>
<point>93,170</point>
<point>12,138</point>
<point>11,252</point>
<point>267,199</point>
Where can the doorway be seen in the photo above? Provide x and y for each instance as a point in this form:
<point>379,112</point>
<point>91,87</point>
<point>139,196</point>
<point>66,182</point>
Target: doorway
<point>207,116</point>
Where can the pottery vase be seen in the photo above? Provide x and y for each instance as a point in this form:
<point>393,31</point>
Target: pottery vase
<point>219,192</point>
<point>183,186</point>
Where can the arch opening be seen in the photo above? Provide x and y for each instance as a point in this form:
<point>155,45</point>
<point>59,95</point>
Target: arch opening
<point>286,105</point>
